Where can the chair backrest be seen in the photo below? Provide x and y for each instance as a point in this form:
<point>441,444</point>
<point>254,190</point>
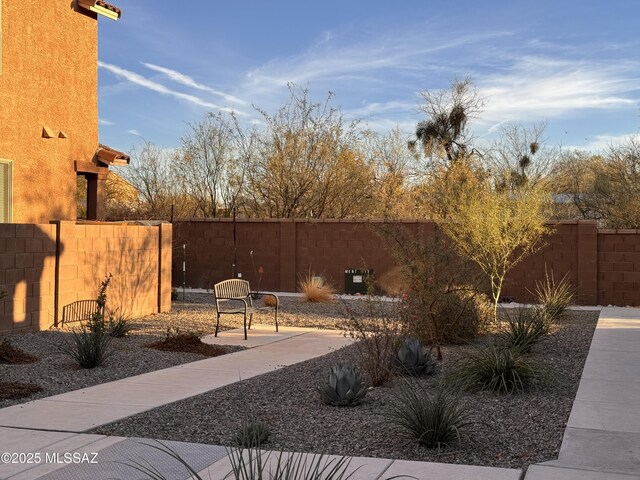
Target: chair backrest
<point>233,288</point>
<point>79,311</point>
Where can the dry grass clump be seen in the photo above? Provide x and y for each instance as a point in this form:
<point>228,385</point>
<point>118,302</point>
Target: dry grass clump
<point>269,301</point>
<point>316,290</point>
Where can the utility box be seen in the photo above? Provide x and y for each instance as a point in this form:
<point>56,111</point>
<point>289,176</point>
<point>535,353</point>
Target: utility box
<point>356,280</point>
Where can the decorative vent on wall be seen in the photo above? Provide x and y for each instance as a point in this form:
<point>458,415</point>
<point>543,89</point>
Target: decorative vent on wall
<point>101,8</point>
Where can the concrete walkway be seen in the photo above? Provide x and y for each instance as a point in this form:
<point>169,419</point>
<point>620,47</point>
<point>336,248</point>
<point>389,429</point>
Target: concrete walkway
<point>52,427</point>
<point>602,439</point>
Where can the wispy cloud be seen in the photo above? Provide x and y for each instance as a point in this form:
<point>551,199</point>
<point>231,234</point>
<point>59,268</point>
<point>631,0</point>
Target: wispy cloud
<point>535,87</point>
<point>134,132</point>
<point>188,81</point>
<point>104,121</point>
<point>158,87</point>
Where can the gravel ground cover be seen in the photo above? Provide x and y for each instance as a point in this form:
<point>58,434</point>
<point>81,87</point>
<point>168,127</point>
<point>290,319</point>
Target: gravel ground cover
<point>509,431</point>
<point>55,373</point>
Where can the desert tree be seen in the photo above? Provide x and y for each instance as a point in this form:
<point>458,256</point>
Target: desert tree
<point>395,173</point>
<point>496,228</point>
<point>306,163</point>
<point>605,187</point>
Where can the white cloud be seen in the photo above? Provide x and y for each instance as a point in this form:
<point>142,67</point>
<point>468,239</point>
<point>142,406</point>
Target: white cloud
<point>190,82</point>
<point>158,87</point>
<point>134,132</point>
<point>104,121</point>
<point>535,88</point>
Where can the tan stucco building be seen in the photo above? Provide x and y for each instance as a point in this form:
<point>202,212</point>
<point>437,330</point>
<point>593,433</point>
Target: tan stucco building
<point>49,109</point>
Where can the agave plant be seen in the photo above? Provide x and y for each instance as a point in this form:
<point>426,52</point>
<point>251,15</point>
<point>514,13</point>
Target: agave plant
<point>414,359</point>
<point>344,386</point>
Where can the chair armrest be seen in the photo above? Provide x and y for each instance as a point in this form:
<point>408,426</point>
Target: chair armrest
<point>236,299</point>
<point>266,295</point>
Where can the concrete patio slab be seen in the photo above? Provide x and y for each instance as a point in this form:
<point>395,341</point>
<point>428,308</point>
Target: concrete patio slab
<point>599,450</point>
<point>548,472</point>
<point>610,392</point>
<point>258,335</point>
<point>604,416</point>
<point>613,357</point>
<point>447,471</point>
<point>91,445</point>
<point>621,373</point>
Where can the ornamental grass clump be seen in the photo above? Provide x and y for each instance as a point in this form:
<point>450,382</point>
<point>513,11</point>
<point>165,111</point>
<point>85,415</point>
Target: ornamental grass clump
<point>522,329</point>
<point>344,386</point>
<point>433,419</point>
<point>252,433</point>
<point>119,324</point>
<point>316,290</point>
<point>495,368</point>
<point>554,298</point>
<point>90,344</point>
<point>414,359</point>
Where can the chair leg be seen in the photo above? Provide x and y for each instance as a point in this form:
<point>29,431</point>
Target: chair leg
<point>217,325</point>
<point>245,326</point>
<point>276,318</point>
<point>250,320</point>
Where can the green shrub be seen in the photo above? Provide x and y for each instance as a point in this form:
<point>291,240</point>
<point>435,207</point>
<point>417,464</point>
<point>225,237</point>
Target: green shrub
<point>89,344</point>
<point>494,368</point>
<point>433,419</point>
<point>119,324</point>
<point>252,433</point>
<point>522,329</point>
<point>554,297</point>
<point>414,359</point>
<point>378,328</point>
<point>441,304</point>
<point>88,348</point>
<point>344,386</point>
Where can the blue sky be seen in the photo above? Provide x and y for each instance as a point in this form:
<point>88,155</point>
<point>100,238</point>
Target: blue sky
<point>573,64</point>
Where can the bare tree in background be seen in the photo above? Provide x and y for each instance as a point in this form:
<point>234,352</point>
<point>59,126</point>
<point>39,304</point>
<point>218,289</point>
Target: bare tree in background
<point>211,164</point>
<point>519,156</point>
<point>306,163</point>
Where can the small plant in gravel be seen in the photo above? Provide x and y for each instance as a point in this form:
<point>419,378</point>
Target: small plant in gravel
<point>344,386</point>
<point>379,332</point>
<point>252,433</point>
<point>13,355</point>
<point>433,419</point>
<point>495,368</point>
<point>315,290</point>
<point>522,329</point>
<point>89,344</point>
<point>119,324</point>
<point>554,298</point>
<point>414,359</point>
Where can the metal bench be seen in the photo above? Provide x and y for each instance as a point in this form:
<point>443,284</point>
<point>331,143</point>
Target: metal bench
<point>79,311</point>
<point>236,298</point>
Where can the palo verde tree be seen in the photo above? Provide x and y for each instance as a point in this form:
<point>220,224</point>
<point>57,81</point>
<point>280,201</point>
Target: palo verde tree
<point>494,218</point>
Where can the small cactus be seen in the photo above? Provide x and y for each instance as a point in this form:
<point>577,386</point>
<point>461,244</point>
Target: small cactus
<point>344,386</point>
<point>414,359</point>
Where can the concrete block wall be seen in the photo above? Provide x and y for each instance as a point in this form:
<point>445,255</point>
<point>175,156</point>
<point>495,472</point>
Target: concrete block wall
<point>35,272</point>
<point>604,265</point>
